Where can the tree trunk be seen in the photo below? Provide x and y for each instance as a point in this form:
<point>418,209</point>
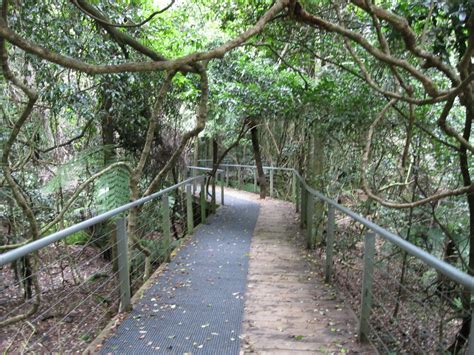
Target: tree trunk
<point>108,156</point>
<point>258,158</point>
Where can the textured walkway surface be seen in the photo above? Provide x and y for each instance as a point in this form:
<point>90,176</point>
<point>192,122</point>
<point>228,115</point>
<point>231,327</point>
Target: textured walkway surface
<point>288,309</point>
<point>197,304</point>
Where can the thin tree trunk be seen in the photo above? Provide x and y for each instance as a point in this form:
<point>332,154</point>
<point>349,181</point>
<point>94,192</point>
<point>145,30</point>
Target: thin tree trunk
<point>258,158</point>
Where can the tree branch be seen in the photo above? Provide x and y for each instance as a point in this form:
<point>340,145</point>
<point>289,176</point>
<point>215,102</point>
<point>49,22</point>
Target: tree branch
<point>200,124</point>
<point>77,3</point>
<point>371,194</point>
<point>79,189</point>
<point>175,64</point>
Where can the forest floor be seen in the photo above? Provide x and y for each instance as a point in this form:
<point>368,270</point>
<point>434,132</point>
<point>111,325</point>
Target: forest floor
<point>76,302</point>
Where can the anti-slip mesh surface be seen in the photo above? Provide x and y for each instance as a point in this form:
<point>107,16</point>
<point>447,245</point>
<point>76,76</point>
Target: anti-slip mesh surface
<point>197,304</point>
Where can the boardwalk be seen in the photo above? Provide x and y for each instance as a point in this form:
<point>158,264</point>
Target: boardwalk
<point>288,309</point>
<point>196,306</point>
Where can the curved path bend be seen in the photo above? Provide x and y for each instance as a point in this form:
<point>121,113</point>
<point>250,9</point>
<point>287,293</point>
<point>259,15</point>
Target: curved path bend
<point>228,293</point>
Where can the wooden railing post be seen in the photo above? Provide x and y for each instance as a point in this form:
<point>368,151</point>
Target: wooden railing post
<point>123,267</point>
<point>239,177</point>
<point>189,209</point>
<point>293,187</point>
<point>303,216</point>
<point>166,224</point>
<point>222,189</point>
<point>255,180</point>
<point>368,272</point>
<point>271,182</point>
<point>213,194</point>
<point>202,198</point>
<point>329,243</point>
<point>309,220</point>
<point>298,198</point>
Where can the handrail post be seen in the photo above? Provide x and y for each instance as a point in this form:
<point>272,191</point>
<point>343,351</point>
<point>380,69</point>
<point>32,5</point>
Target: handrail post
<point>309,220</point>
<point>165,208</point>
<point>293,187</point>
<point>123,267</point>
<point>271,182</point>
<point>239,177</point>
<point>298,196</point>
<point>368,272</point>
<point>255,180</point>
<point>189,209</point>
<point>202,197</point>
<point>222,189</point>
<point>213,194</point>
<point>329,243</point>
<point>304,195</point>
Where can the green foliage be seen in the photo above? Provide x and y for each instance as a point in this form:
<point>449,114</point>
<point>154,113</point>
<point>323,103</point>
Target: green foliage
<point>78,238</point>
<point>112,189</point>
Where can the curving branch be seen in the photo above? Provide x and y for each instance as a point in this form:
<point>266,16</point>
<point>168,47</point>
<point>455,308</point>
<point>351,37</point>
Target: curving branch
<point>409,37</point>
<point>243,131</point>
<point>170,65</point>
<point>150,134</point>
<point>78,191</point>
<point>445,96</point>
<point>71,140</point>
<point>270,47</point>
<point>301,15</point>
<point>200,124</point>
<point>450,131</point>
<point>386,48</point>
<point>383,202</point>
<point>80,6</point>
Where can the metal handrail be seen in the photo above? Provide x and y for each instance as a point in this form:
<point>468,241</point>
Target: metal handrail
<point>438,264</point>
<point>443,267</point>
<point>253,166</point>
<point>36,245</point>
<point>203,168</point>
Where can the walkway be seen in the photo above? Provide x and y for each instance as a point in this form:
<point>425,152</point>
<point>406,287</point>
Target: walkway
<point>288,308</point>
<point>196,305</point>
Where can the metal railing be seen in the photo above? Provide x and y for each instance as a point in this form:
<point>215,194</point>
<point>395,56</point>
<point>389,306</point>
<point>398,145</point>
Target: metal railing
<point>304,197</point>
<point>371,291</point>
<point>195,169</point>
<point>92,295</point>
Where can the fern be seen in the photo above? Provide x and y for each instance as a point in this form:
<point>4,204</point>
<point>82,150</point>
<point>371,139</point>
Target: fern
<point>111,189</point>
<point>67,173</point>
